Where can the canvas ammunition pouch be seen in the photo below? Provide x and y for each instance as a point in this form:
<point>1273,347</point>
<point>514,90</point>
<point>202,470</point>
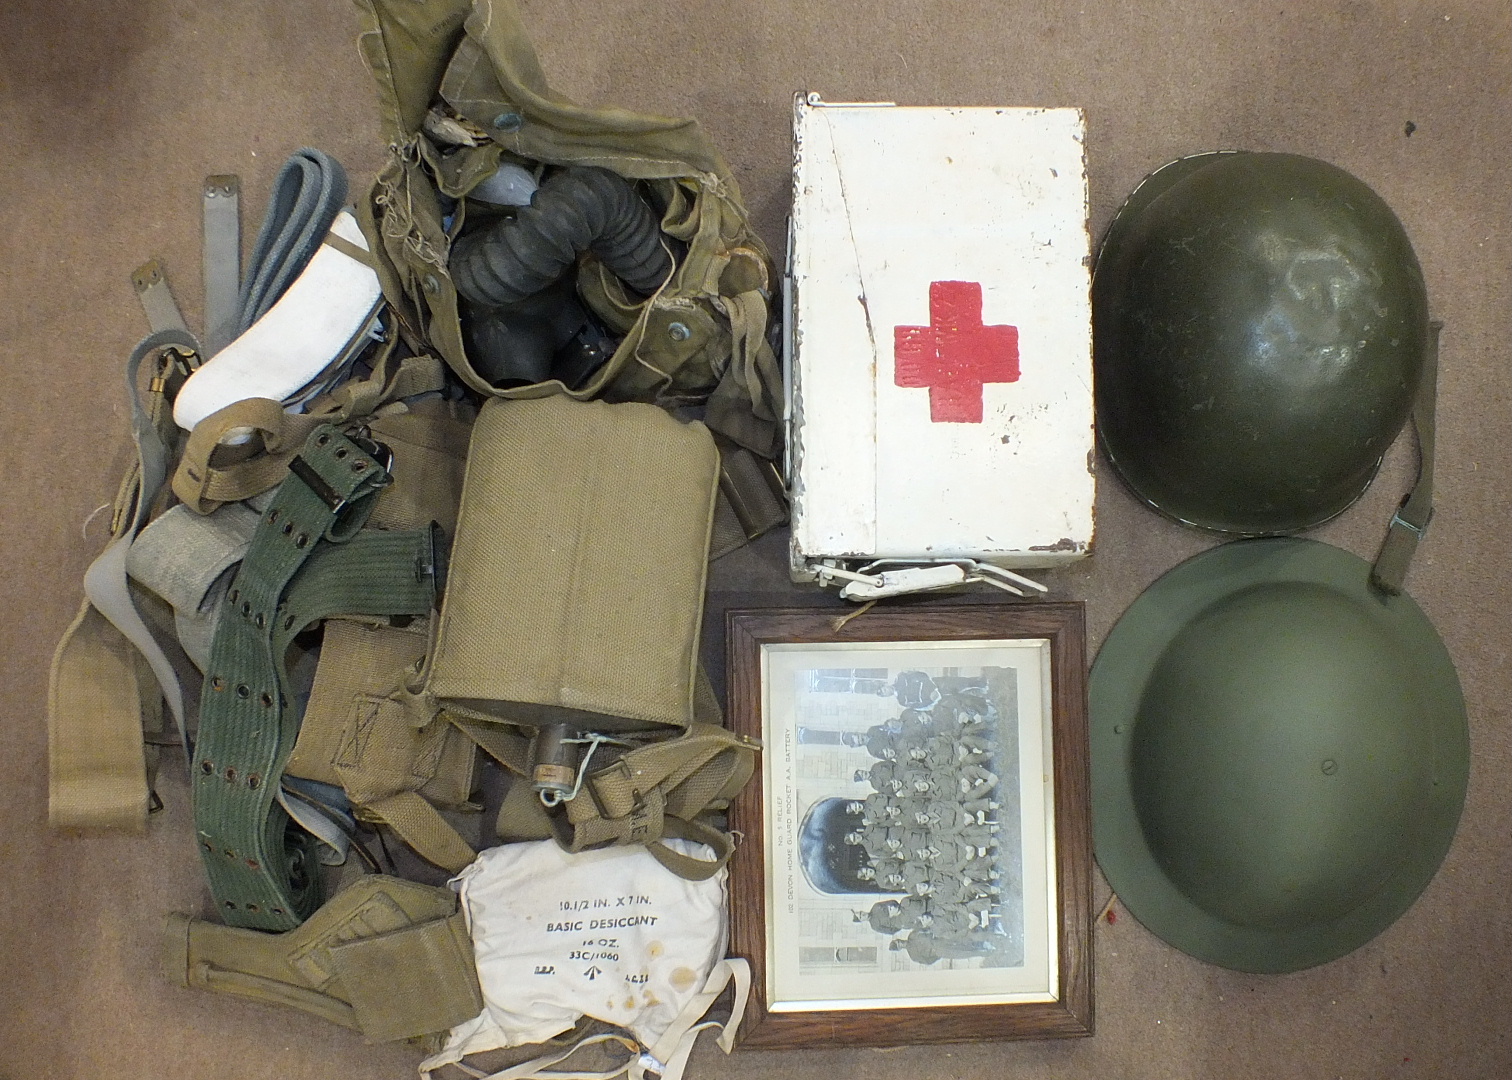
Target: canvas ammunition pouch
<point>460,90</point>
<point>390,958</point>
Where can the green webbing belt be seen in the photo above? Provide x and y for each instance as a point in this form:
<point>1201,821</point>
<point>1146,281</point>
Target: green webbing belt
<point>307,560</point>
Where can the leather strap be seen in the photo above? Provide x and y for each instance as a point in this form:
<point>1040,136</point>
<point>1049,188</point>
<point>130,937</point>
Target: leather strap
<point>263,873</point>
<point>1412,516</point>
<point>220,253</point>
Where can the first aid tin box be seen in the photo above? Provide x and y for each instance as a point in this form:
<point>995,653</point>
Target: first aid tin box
<point>939,354</point>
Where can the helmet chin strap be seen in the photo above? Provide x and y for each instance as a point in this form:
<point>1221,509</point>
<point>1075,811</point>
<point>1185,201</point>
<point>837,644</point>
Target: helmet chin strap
<point>1410,521</point>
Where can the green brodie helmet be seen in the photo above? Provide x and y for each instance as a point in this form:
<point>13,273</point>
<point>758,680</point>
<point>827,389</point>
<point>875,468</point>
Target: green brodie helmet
<point>1279,755</point>
<point>1259,323</point>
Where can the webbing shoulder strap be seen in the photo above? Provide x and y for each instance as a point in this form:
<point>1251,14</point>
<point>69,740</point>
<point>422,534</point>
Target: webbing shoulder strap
<point>658,791</point>
<point>96,695</point>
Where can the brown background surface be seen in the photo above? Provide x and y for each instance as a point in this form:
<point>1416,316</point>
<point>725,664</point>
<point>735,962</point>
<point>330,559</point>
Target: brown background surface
<point>113,112</point>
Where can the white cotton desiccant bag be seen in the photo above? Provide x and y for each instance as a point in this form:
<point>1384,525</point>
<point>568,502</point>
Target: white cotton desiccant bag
<point>610,934</point>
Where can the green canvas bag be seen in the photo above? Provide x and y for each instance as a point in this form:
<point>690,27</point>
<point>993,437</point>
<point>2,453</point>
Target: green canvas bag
<point>460,90</point>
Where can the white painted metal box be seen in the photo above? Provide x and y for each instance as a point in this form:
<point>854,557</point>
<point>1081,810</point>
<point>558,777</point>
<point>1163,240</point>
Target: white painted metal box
<point>939,361</point>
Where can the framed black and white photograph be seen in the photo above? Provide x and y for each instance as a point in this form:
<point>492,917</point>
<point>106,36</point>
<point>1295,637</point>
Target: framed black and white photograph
<point>915,863</point>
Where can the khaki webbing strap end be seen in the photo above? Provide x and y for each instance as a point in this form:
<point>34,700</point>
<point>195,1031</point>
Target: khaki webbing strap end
<point>421,826</point>
<point>204,485</point>
<point>97,768</point>
<point>349,249</point>
<point>1410,521</point>
<point>685,866</point>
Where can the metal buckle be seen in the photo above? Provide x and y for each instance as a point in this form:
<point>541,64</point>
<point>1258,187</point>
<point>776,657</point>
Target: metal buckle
<point>381,453</point>
<point>334,499</point>
<point>1416,530</point>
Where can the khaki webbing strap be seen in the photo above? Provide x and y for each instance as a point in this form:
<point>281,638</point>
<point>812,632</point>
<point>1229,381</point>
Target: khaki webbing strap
<point>98,695</point>
<point>685,866</point>
<point>421,826</point>
<point>206,478</point>
<point>350,250</point>
<point>204,483</point>
<point>388,957</point>
<point>1411,519</point>
<point>660,790</point>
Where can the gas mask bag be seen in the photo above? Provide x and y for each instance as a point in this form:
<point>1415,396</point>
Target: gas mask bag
<point>609,934</point>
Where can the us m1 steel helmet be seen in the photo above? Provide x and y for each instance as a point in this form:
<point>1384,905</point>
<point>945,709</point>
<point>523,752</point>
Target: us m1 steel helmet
<point>1279,755</point>
<point>1258,323</point>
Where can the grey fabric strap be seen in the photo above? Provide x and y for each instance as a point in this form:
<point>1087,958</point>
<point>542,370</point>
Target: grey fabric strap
<point>1410,521</point>
<point>105,580</point>
<point>162,311</point>
<point>221,257</point>
<point>307,195</point>
<point>186,558</point>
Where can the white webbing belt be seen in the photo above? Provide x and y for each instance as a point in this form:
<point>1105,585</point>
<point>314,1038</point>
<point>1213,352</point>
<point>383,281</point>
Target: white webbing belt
<point>300,338</point>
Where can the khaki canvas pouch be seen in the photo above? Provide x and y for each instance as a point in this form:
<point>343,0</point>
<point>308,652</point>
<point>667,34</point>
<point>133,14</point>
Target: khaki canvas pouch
<point>576,585</point>
<point>388,957</point>
<point>356,736</point>
<point>356,732</point>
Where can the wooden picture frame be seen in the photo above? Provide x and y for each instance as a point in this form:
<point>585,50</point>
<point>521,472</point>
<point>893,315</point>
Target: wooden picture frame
<point>1000,966</point>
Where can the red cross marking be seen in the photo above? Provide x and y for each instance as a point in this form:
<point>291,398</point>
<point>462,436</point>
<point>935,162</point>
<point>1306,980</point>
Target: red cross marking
<point>955,355</point>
